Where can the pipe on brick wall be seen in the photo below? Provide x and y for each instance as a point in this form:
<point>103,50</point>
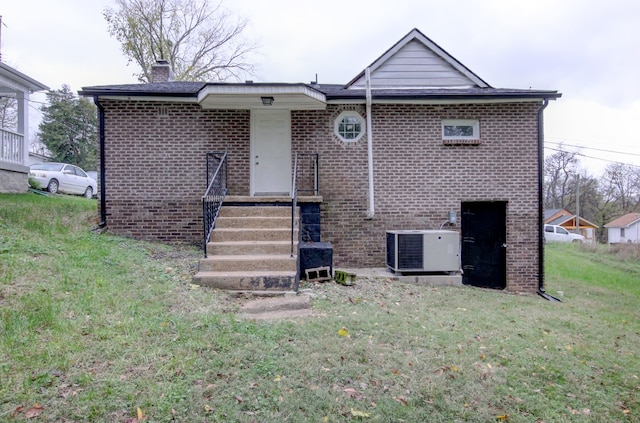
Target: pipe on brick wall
<point>371,211</point>
<point>103,197</point>
<point>541,290</point>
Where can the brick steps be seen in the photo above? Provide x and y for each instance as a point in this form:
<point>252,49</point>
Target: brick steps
<point>250,250</point>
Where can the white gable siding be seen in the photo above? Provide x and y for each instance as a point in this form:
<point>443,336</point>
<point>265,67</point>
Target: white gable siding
<point>415,65</point>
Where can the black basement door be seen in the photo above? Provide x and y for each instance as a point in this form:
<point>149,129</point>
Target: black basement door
<point>484,244</point>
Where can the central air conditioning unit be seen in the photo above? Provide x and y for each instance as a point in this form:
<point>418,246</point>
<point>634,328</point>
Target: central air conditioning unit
<point>423,251</point>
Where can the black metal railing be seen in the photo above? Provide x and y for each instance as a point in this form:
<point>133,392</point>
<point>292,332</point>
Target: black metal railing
<point>307,173</point>
<point>216,191</point>
<point>294,199</point>
<point>305,180</point>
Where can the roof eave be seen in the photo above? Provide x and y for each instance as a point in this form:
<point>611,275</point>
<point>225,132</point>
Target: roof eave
<point>29,82</point>
<point>449,97</point>
<point>126,93</point>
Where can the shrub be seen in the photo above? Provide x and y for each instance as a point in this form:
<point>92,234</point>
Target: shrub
<point>34,184</point>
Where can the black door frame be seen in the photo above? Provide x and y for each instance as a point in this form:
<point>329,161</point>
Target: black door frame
<point>483,238</point>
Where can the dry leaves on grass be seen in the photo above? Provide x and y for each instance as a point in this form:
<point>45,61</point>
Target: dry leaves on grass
<point>30,413</point>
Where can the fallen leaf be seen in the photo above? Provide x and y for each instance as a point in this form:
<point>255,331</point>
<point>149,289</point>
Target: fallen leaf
<point>277,378</point>
<point>140,416</point>
<point>17,411</point>
<point>357,413</point>
<point>207,408</point>
<point>343,332</point>
<point>402,400</point>
<point>34,411</point>
<point>502,418</point>
<point>239,399</point>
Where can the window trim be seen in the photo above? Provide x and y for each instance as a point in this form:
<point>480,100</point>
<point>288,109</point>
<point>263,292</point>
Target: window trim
<point>474,123</point>
<point>341,117</point>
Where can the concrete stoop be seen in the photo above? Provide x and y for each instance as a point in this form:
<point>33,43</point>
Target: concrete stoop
<point>288,307</point>
<point>250,250</point>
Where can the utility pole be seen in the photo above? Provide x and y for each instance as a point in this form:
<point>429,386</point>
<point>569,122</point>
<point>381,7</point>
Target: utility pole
<point>578,202</point>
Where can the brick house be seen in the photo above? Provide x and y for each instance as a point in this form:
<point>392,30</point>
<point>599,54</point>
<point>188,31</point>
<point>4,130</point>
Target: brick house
<point>415,136</point>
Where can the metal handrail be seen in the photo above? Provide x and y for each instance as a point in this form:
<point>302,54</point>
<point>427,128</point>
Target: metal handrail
<point>294,198</point>
<point>307,165</point>
<point>215,193</point>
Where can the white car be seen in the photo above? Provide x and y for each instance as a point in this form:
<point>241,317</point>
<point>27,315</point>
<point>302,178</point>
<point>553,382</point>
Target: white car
<point>65,178</point>
<point>555,233</point>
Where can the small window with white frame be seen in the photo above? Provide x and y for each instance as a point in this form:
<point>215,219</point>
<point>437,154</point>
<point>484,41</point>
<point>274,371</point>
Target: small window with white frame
<point>349,126</point>
<point>460,129</point>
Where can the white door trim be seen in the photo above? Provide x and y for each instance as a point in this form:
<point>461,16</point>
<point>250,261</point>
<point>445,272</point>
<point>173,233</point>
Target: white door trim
<point>276,181</point>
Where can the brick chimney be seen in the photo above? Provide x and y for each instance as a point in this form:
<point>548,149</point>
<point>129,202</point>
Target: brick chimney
<point>161,72</point>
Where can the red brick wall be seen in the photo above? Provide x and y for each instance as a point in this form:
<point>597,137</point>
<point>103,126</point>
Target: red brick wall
<point>155,173</point>
<point>418,180</point>
<point>155,165</point>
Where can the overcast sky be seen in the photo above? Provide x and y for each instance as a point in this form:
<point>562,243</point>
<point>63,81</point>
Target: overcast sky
<point>589,50</point>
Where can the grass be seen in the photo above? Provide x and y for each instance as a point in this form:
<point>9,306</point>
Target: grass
<point>95,327</point>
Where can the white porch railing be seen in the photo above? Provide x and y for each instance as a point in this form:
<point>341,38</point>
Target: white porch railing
<point>11,147</point>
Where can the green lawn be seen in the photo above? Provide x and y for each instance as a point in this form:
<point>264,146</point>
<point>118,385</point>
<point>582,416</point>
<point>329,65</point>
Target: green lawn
<point>95,327</point>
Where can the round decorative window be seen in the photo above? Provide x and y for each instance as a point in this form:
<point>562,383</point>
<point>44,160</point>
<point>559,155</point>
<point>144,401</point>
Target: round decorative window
<point>349,126</point>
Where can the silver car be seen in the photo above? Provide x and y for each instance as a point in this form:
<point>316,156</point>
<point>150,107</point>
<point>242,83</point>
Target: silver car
<point>555,233</point>
<point>64,178</point>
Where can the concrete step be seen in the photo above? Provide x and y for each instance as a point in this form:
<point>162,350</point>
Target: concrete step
<point>225,222</point>
<point>252,234</point>
<point>248,281</point>
<point>257,211</point>
<point>288,307</point>
<point>257,262</point>
<point>251,247</point>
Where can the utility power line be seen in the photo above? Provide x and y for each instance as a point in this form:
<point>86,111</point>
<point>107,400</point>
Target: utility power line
<point>592,148</point>
<point>594,158</point>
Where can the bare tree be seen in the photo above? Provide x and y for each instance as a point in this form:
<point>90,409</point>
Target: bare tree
<point>559,170</point>
<point>622,186</point>
<point>8,112</point>
<point>199,41</point>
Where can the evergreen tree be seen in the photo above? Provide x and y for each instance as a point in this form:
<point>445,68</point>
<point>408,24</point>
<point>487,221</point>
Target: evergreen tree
<point>69,128</point>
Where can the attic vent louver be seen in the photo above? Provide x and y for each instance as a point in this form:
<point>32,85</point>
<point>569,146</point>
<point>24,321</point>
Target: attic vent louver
<point>163,111</point>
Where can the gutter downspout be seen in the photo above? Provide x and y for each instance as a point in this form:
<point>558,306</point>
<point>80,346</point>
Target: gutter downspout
<point>103,196</point>
<point>371,210</point>
<point>541,290</point>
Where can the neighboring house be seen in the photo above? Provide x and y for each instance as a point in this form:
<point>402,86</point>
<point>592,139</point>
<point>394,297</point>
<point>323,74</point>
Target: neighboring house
<point>411,138</point>
<point>571,222</point>
<point>14,142</point>
<point>38,155</point>
<point>625,229</point>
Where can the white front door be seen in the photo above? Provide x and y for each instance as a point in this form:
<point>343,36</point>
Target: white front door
<point>270,152</point>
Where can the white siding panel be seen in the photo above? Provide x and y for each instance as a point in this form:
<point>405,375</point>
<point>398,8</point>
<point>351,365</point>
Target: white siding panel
<point>415,65</point>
